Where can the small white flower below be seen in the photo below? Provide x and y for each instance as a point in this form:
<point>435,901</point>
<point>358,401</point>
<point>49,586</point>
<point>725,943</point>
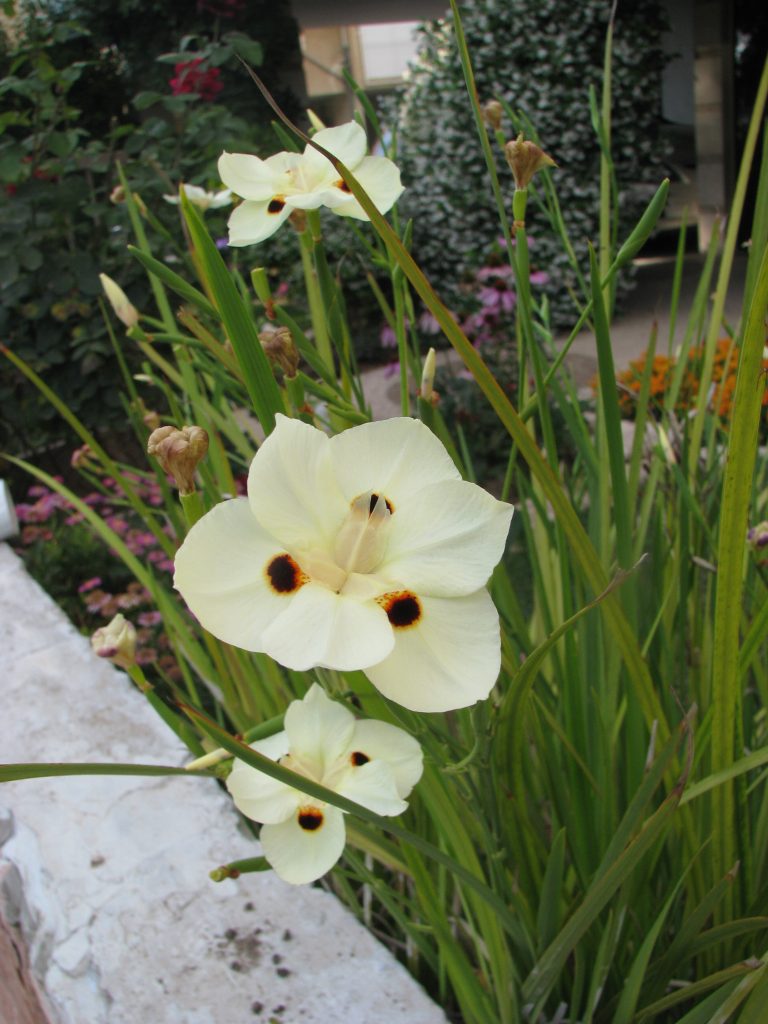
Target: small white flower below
<point>373,763</point>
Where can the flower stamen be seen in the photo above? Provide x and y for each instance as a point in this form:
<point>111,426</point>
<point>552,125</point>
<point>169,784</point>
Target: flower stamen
<point>276,205</point>
<point>361,541</point>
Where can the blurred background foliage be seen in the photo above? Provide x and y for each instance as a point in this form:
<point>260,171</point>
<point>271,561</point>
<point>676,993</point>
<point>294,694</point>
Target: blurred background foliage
<point>85,86</point>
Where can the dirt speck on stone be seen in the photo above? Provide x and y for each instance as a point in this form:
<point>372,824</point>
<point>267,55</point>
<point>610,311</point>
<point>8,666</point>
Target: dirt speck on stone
<point>97,860</point>
<point>287,935</point>
<point>257,1007</point>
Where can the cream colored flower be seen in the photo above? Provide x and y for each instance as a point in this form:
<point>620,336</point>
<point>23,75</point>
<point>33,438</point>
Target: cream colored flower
<point>275,187</point>
<point>373,763</point>
<point>202,199</point>
<point>362,551</point>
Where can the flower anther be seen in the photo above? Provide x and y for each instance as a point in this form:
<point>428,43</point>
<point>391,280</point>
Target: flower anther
<point>362,551</point>
<point>373,763</point>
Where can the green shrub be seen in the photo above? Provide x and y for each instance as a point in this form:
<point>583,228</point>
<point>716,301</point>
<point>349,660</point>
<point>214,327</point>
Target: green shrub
<point>541,57</point>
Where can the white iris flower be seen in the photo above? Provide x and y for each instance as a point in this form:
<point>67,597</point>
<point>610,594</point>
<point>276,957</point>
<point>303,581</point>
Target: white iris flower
<point>275,187</point>
<point>202,199</point>
<point>373,763</point>
<point>362,551</point>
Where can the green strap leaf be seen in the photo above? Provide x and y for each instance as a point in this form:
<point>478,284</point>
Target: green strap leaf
<point>257,373</point>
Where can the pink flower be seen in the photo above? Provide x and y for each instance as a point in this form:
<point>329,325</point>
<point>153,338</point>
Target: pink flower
<point>428,324</point>
<point>91,584</point>
<point>387,337</point>
<point>150,619</point>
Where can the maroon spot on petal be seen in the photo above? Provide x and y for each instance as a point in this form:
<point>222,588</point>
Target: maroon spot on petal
<point>310,818</point>
<point>275,205</point>
<point>358,758</point>
<point>342,185</point>
<point>403,608</point>
<point>284,575</point>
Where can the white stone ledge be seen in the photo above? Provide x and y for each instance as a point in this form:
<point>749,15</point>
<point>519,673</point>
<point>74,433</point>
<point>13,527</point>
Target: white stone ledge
<point>108,877</point>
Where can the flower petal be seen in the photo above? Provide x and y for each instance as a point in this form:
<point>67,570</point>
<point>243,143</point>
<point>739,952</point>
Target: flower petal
<point>319,627</point>
<point>319,730</point>
<point>258,796</point>
<point>220,573</point>
<point>252,222</point>
<point>381,741</point>
<point>395,458</point>
<point>300,855</point>
<point>445,540</point>
<point>381,180</point>
<point>292,490</point>
<point>346,141</point>
<point>219,199</point>
<point>373,786</point>
<point>306,200</point>
<point>449,658</point>
<point>252,178</point>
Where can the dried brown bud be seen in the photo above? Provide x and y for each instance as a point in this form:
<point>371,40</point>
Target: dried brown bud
<point>298,219</point>
<point>151,419</point>
<point>280,349</point>
<point>525,159</point>
<point>82,458</point>
<point>116,641</point>
<point>492,114</point>
<point>179,452</point>
<point>117,195</point>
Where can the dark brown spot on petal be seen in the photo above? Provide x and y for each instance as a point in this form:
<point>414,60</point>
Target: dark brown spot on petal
<point>403,608</point>
<point>275,205</point>
<point>284,575</point>
<point>341,184</point>
<point>358,758</point>
<point>310,818</point>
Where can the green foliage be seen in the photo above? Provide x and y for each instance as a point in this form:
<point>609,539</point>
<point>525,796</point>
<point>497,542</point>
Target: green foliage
<point>589,844</point>
<point>541,57</point>
<point>68,121</point>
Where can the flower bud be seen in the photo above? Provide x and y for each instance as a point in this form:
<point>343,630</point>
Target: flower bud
<point>116,641</point>
<point>525,159</point>
<point>151,419</point>
<point>298,219</point>
<point>123,309</point>
<point>280,349</point>
<point>179,452</point>
<point>117,195</point>
<point>83,458</point>
<point>492,112</point>
<point>314,120</point>
<point>757,537</point>
<point>427,391</point>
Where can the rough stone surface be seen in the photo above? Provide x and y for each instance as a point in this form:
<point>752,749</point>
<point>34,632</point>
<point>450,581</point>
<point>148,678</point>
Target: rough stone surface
<point>107,878</point>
